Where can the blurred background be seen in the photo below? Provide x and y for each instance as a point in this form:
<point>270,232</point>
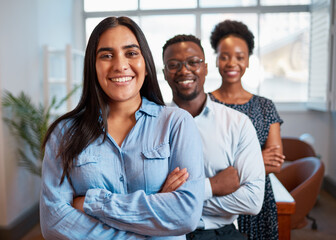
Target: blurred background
<point>42,44</point>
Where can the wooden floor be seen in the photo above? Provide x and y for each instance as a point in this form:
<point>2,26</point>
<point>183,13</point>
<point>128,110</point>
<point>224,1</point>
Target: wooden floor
<point>324,212</point>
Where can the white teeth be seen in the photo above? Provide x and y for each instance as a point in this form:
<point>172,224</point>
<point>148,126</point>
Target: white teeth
<point>122,79</point>
<point>232,72</point>
<point>186,81</point>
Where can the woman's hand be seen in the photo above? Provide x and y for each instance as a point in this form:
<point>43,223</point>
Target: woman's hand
<point>78,203</point>
<point>175,180</point>
<point>273,159</point>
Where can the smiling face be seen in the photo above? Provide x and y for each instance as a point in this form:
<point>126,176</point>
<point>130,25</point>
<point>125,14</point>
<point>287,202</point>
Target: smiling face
<point>232,58</point>
<point>120,66</point>
<point>185,84</point>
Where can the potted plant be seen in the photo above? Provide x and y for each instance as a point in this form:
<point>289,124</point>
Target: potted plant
<point>29,123</point>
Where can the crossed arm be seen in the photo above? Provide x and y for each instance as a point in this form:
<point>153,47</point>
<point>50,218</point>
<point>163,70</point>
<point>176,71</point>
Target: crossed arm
<point>174,180</point>
<point>123,216</point>
<point>223,183</point>
<point>272,152</point>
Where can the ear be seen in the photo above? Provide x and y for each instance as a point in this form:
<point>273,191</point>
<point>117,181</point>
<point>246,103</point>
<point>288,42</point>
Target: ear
<point>248,62</point>
<point>206,69</point>
<point>217,61</point>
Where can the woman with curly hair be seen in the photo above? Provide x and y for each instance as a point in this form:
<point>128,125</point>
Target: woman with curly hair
<point>233,43</point>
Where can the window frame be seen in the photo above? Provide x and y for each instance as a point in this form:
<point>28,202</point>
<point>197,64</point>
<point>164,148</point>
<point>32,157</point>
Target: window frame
<point>198,11</point>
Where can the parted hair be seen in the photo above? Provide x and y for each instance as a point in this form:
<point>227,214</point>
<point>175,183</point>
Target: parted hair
<point>233,28</point>
<point>88,120</point>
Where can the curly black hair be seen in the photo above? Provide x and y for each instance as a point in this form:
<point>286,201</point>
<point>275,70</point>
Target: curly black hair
<point>182,38</point>
<point>235,28</point>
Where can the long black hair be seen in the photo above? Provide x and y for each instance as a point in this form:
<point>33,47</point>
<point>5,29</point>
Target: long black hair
<point>89,118</point>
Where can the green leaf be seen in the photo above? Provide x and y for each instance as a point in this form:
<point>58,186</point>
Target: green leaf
<point>29,123</point>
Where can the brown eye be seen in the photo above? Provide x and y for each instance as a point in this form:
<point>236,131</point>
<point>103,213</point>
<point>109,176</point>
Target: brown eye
<point>173,65</point>
<point>106,56</point>
<point>223,57</point>
<point>132,54</point>
<point>193,63</point>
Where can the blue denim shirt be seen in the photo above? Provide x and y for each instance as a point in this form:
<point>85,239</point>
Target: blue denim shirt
<point>121,184</point>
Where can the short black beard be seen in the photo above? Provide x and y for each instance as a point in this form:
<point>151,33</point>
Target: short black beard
<point>189,97</point>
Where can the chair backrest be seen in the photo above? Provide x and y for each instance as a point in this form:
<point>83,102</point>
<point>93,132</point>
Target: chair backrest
<point>294,148</point>
<point>303,179</point>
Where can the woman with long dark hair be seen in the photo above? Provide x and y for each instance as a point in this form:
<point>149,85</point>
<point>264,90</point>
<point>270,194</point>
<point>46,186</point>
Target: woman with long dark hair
<point>107,162</point>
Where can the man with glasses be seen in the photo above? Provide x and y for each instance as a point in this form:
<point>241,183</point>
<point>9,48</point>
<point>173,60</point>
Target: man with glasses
<point>234,169</point>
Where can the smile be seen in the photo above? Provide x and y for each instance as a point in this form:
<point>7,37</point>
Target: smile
<point>231,73</point>
<point>186,81</point>
<point>121,79</point>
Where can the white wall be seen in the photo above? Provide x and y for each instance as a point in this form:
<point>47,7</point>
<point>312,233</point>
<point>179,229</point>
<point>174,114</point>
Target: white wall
<point>332,145</point>
<point>25,26</point>
<point>18,71</point>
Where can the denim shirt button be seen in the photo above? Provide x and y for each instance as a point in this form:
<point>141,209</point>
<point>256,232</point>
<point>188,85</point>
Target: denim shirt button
<point>121,178</point>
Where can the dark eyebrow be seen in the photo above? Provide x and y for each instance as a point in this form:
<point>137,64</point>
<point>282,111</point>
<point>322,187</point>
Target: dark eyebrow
<point>108,49</point>
<point>104,49</point>
<point>131,46</point>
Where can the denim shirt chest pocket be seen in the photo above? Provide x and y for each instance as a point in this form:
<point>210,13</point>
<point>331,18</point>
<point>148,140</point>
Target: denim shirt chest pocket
<point>85,173</point>
<point>156,167</point>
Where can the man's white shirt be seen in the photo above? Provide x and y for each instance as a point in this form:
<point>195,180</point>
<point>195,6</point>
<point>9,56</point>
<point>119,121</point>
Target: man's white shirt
<point>230,139</point>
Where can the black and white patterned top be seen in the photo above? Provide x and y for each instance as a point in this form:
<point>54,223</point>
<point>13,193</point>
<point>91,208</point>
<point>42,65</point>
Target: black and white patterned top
<point>263,226</point>
<point>261,111</point>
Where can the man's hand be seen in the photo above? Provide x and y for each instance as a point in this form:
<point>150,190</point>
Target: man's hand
<point>78,203</point>
<point>225,182</point>
<point>175,179</point>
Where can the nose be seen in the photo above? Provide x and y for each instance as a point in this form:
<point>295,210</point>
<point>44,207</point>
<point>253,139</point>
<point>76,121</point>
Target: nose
<point>232,61</point>
<point>120,63</point>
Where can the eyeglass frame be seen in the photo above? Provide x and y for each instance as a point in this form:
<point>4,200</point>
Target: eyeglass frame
<point>185,63</point>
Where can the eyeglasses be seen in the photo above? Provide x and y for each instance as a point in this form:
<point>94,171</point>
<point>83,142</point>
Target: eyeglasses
<point>192,64</point>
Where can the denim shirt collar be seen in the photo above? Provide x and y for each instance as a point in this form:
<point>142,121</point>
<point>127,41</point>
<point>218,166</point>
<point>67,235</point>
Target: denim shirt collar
<point>149,108</point>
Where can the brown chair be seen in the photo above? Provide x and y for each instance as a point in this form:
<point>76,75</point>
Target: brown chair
<point>294,148</point>
<point>302,178</point>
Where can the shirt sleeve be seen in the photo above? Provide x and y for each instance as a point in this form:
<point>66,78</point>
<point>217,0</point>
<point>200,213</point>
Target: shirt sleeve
<point>58,219</point>
<point>272,114</point>
<point>248,199</point>
<point>208,189</point>
<point>159,214</point>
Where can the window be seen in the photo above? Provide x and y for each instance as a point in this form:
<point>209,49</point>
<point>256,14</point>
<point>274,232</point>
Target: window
<point>62,73</point>
<point>171,4</point>
<point>110,5</point>
<point>320,91</point>
<point>279,67</point>
<point>284,56</point>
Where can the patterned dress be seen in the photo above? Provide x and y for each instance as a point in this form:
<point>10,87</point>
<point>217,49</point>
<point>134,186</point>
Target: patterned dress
<point>262,113</point>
